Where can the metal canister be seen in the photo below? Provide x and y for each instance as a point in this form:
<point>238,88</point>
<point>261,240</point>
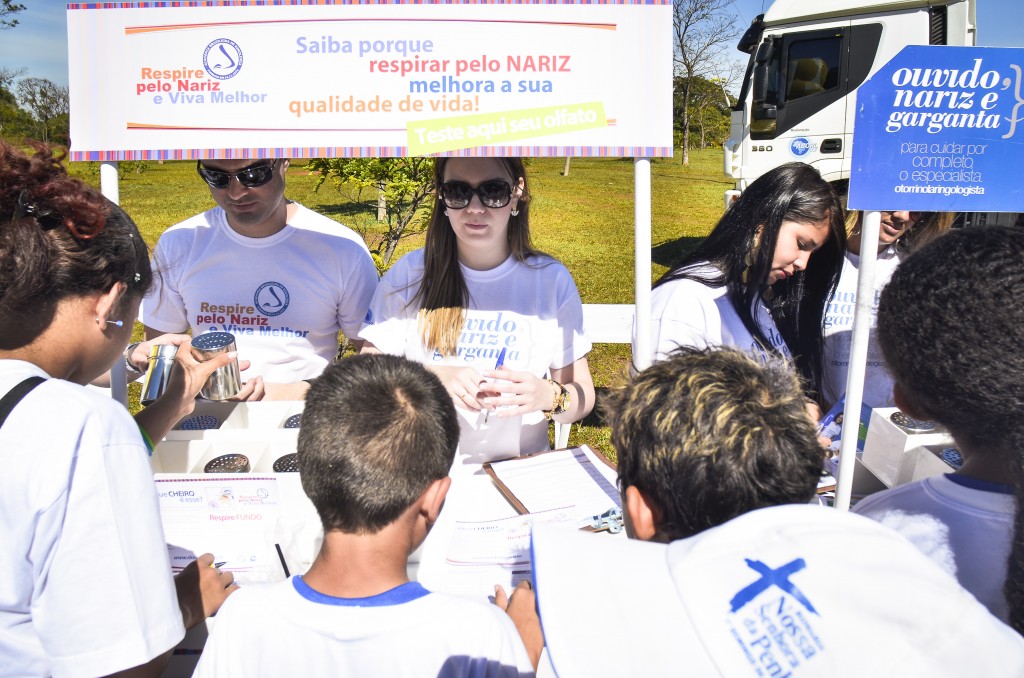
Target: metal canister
<point>910,424</point>
<point>226,381</point>
<point>161,360</point>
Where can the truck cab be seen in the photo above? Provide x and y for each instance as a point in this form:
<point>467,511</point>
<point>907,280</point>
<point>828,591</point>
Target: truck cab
<point>799,93</point>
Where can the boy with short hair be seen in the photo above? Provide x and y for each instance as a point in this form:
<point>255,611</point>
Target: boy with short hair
<point>951,327</point>
<point>718,457</point>
<point>709,436</point>
<point>378,436</point>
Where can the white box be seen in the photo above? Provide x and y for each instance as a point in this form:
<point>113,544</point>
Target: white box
<point>886,444</point>
<point>190,454</point>
<point>212,415</point>
<point>921,462</point>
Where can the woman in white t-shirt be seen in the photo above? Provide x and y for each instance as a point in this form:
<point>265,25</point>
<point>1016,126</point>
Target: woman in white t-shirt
<point>498,321</point>
<point>760,280</point>
<point>86,588</point>
<point>900,233</point>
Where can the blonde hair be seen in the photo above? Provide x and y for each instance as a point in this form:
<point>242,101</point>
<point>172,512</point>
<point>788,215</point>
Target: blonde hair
<point>917,236</point>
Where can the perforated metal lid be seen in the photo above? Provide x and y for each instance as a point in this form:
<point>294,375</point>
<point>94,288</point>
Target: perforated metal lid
<point>213,341</point>
<point>289,463</point>
<point>199,422</point>
<point>952,456</point>
<point>910,424</point>
<point>292,421</point>
<point>228,463</point>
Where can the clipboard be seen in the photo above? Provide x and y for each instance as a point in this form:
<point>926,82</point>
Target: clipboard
<point>555,479</point>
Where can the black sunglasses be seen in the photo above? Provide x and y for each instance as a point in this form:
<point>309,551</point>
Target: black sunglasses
<point>250,177</point>
<point>457,194</point>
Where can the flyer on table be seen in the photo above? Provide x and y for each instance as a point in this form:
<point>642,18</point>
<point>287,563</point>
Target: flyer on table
<point>220,79</point>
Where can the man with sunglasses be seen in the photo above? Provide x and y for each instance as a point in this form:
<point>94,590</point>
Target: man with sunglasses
<point>279,277</point>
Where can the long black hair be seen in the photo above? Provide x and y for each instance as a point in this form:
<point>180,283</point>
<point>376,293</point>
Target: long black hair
<point>742,246</point>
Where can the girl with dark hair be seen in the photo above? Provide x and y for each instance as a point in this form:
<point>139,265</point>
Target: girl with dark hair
<point>901,232</point>
<point>499,322</point>
<point>761,279</point>
<point>79,517</point>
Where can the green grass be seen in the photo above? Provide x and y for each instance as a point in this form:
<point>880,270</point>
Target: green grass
<point>584,219</point>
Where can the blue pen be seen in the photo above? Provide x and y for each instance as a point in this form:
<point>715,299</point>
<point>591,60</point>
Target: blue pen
<point>497,363</point>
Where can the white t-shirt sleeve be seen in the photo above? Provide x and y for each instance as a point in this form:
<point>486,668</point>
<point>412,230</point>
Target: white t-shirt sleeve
<point>509,651</point>
<point>220,658</point>
<point>574,345</point>
<point>360,285</point>
<point>387,323</point>
<point>681,316</point>
<point>108,600</point>
<point>163,307</point>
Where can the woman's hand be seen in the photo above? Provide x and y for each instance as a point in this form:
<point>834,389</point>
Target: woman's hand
<point>139,357</point>
<point>183,385</point>
<point>517,393</point>
<point>465,385</point>
<point>252,389</point>
<point>189,375</point>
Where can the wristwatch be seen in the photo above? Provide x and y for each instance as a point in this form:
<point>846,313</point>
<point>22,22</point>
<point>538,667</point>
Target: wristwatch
<point>560,399</point>
<point>129,366</point>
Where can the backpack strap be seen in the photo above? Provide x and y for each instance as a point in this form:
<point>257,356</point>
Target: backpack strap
<point>14,396</point>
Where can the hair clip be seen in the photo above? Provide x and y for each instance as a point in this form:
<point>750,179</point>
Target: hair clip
<point>24,207</point>
<point>46,219</point>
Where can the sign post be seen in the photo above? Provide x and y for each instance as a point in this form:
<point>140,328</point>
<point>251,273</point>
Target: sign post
<point>938,129</point>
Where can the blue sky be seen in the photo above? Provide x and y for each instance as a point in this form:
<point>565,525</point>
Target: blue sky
<point>39,42</point>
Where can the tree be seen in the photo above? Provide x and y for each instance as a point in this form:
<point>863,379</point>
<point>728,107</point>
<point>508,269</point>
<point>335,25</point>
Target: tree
<point>401,185</point>
<point>703,29</point>
<point>48,104</point>
<point>9,8</point>
<point>708,111</point>
<point>14,122</point>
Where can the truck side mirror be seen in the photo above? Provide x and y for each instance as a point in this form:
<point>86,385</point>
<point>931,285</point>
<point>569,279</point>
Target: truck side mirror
<point>760,82</point>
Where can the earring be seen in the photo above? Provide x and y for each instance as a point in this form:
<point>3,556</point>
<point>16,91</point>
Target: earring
<point>515,212</point>
<point>446,212</point>
<point>115,323</point>
<point>748,261</point>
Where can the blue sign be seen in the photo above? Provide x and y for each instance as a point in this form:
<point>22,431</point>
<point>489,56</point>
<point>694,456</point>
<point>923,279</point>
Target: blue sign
<point>941,129</point>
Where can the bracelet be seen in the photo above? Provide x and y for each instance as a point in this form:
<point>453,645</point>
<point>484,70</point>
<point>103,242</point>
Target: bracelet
<point>560,401</point>
<point>129,366</point>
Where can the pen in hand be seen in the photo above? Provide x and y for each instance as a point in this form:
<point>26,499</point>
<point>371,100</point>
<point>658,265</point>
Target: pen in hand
<point>497,364</point>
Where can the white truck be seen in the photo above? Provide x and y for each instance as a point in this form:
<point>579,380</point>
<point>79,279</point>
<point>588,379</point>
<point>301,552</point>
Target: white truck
<point>807,59</point>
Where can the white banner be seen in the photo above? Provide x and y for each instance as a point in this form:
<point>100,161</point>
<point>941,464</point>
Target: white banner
<point>297,79</point>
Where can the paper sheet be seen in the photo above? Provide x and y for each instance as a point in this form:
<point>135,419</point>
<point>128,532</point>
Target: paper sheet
<point>234,518</point>
<point>488,552</point>
<point>560,479</point>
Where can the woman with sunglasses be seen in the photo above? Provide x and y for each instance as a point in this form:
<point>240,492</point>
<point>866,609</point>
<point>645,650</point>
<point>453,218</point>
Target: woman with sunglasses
<point>901,232</point>
<point>760,280</point>
<point>86,587</point>
<point>498,321</point>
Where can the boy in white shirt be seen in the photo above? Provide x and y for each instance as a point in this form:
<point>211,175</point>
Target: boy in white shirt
<point>951,327</point>
<point>729,572</point>
<point>378,436</point>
